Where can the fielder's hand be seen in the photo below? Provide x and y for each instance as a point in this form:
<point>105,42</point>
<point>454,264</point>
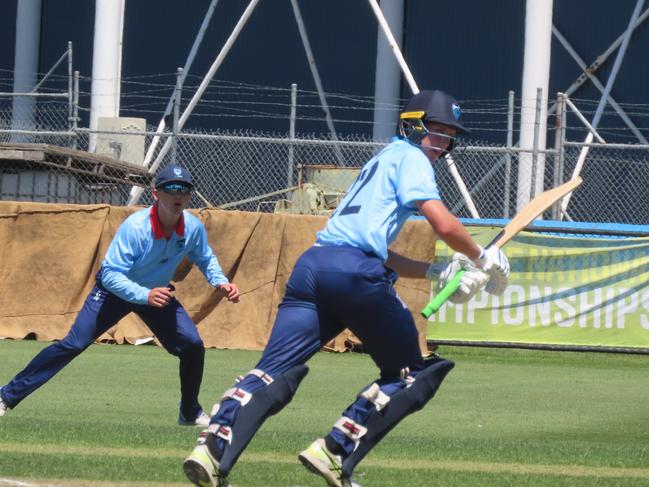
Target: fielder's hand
<point>159,297</point>
<point>495,263</point>
<point>230,291</point>
<point>473,280</point>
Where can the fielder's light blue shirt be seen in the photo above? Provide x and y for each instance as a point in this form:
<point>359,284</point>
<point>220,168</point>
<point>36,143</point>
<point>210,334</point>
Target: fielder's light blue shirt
<point>381,199</point>
<point>140,257</point>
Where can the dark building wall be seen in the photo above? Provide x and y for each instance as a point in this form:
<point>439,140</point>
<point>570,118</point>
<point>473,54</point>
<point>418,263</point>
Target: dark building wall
<point>471,48</point>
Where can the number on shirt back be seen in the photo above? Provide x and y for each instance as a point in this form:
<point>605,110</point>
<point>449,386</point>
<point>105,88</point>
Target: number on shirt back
<point>363,178</point>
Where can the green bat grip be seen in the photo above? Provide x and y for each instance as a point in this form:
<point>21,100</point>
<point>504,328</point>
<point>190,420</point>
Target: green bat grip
<point>442,296</point>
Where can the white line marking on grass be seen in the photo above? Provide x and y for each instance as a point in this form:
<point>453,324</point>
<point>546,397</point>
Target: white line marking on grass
<point>20,483</point>
<point>583,471</point>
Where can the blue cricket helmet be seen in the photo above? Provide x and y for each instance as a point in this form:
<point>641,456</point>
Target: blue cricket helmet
<point>435,106</point>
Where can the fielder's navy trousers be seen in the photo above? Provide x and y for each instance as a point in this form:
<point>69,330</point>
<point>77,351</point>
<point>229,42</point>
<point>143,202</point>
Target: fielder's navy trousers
<point>171,325</point>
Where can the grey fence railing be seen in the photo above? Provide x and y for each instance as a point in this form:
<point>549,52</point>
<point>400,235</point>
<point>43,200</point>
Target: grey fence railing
<point>256,171</point>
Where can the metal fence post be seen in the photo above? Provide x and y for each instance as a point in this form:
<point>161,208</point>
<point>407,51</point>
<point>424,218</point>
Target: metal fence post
<point>508,157</point>
<point>70,86</point>
<point>75,109</point>
<point>559,130</point>
<point>177,101</point>
<point>291,137</point>
<point>535,143</point>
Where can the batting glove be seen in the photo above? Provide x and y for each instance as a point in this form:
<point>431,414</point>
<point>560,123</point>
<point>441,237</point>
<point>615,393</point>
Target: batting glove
<point>473,279</point>
<point>495,263</point>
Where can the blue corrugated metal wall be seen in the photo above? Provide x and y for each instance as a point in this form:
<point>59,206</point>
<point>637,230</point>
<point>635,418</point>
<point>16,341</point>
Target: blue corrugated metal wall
<point>474,49</point>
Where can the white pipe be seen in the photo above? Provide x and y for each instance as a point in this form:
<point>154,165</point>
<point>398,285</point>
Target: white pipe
<point>595,65</point>
<point>580,62</point>
<point>317,80</point>
<point>583,120</point>
<point>136,193</point>
<point>106,63</point>
<point>188,64</point>
<point>415,89</point>
<point>394,46</point>
<point>607,89</point>
<point>26,57</point>
<point>536,74</point>
<point>387,80</point>
<point>617,64</point>
<point>462,187</point>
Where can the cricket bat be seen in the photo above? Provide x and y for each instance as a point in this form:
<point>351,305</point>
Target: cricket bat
<point>533,209</point>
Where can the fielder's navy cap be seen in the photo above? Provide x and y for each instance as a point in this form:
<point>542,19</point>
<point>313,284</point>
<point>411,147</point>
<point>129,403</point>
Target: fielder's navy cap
<point>173,174</point>
<point>439,107</point>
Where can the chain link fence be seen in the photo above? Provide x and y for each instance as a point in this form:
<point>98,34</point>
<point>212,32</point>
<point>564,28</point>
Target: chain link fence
<point>254,171</point>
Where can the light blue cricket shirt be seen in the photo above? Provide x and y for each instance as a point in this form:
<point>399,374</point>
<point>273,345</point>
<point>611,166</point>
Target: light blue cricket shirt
<point>140,257</point>
<point>381,199</point>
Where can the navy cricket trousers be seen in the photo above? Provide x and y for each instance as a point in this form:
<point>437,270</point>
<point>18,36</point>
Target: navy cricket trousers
<point>333,288</point>
<point>330,289</point>
<point>171,325</point>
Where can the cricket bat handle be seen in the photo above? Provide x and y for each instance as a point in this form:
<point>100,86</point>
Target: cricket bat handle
<point>441,297</point>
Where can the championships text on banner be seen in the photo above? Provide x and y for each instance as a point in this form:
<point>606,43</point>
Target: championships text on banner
<point>562,290</point>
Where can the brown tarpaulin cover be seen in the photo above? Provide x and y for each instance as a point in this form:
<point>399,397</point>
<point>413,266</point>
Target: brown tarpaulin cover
<point>49,255</point>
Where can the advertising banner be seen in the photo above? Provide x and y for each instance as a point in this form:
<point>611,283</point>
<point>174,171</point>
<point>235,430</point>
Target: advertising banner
<point>563,290</point>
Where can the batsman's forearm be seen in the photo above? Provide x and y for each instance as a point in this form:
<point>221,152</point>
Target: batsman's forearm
<point>405,266</point>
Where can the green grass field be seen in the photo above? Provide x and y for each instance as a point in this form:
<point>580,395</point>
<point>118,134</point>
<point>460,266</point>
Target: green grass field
<point>502,417</point>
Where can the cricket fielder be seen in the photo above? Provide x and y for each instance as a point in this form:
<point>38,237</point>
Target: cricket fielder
<point>134,277</point>
<point>346,280</point>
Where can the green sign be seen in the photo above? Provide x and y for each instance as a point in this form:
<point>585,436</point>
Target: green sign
<point>562,290</point>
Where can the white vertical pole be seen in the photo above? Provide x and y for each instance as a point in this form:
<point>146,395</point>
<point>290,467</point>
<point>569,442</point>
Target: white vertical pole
<point>26,56</point>
<point>106,63</point>
<point>536,74</point>
<point>387,81</point>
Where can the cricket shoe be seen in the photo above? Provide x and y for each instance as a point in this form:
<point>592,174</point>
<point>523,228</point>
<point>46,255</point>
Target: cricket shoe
<point>202,420</point>
<point>202,469</point>
<point>3,405</point>
<point>319,460</point>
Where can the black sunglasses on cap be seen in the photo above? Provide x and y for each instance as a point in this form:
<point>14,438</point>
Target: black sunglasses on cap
<point>176,188</point>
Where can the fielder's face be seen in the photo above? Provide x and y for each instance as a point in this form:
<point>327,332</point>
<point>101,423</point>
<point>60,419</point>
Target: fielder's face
<point>172,201</point>
<point>437,140</point>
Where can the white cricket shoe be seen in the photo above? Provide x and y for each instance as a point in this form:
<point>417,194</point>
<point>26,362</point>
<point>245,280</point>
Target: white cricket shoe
<point>322,462</point>
<point>202,469</point>
<point>3,406</point>
<point>201,421</point>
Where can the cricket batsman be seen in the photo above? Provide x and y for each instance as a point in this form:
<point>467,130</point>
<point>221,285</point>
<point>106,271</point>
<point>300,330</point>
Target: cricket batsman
<point>346,280</point>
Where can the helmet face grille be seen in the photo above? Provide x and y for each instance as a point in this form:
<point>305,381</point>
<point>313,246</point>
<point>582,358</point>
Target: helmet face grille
<point>412,129</point>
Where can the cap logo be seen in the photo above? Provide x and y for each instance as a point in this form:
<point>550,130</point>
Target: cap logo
<point>457,112</point>
<point>179,172</point>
